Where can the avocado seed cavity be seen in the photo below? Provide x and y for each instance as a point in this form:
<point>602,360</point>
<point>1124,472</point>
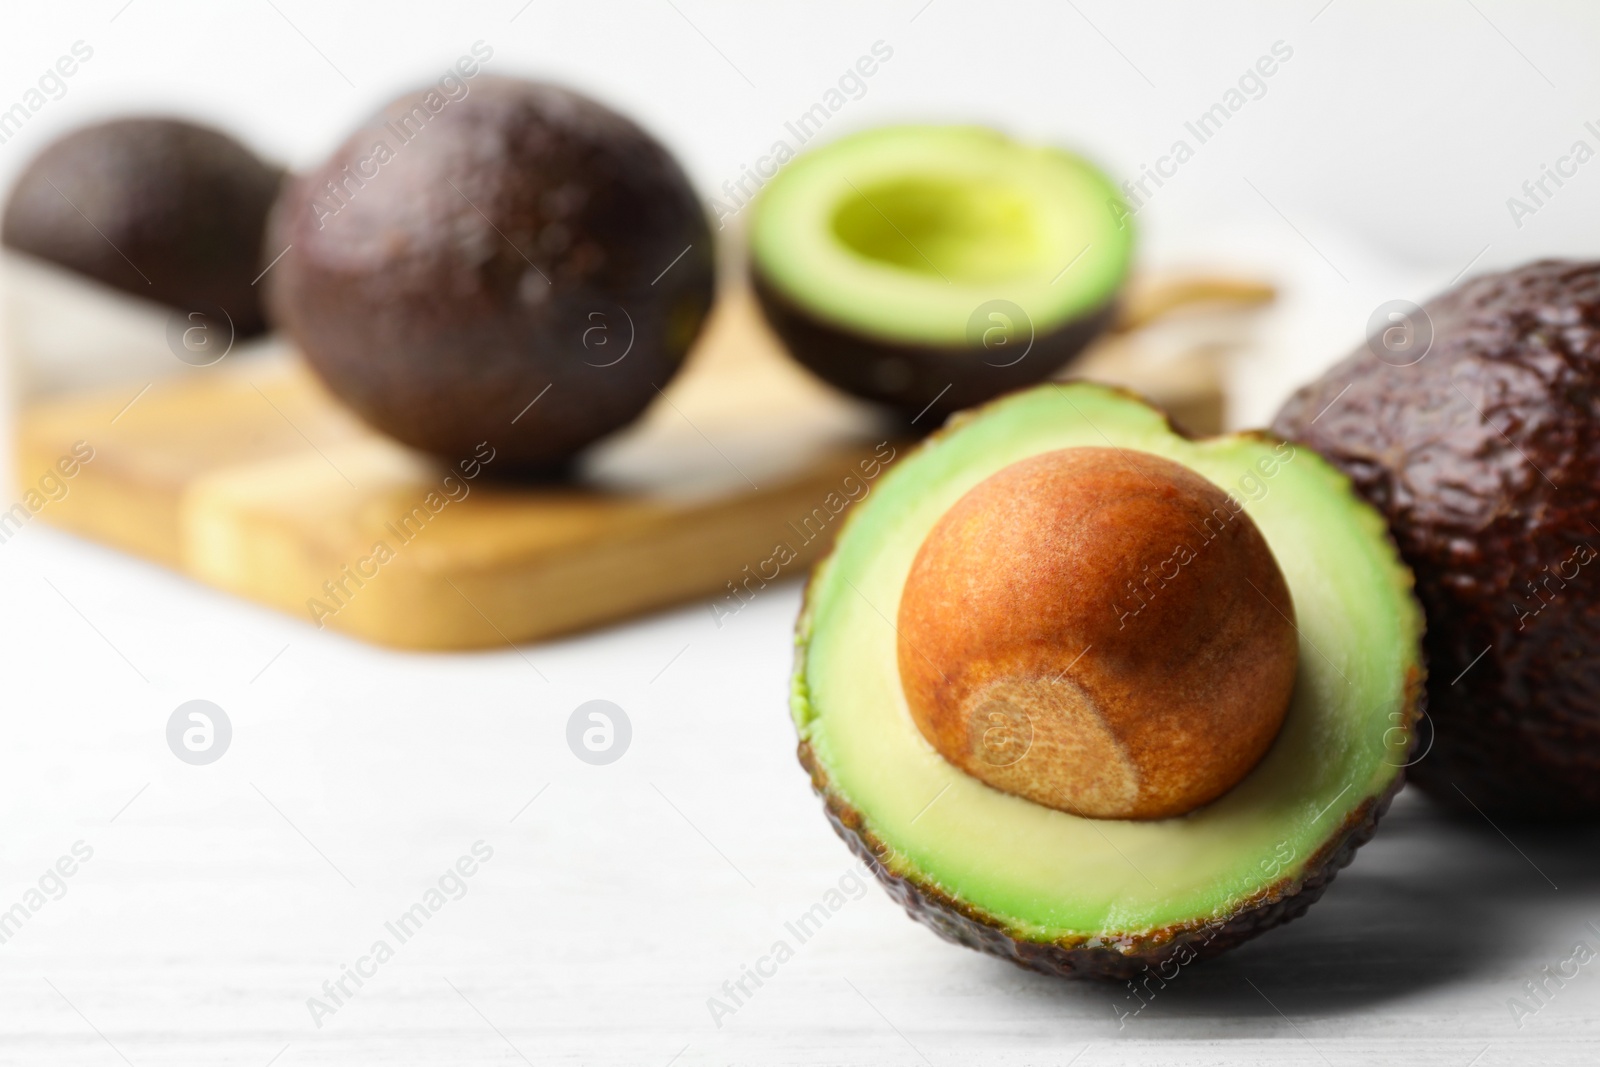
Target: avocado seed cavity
<point>1101,631</point>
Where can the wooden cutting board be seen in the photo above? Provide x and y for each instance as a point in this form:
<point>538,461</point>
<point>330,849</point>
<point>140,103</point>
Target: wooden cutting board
<point>248,476</point>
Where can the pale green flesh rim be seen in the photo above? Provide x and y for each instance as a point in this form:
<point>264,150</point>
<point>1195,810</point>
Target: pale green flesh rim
<point>1047,875</point>
<point>1079,237</point>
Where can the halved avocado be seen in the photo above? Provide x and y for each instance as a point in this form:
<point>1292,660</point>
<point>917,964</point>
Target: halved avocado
<point>938,265</point>
<point>1107,897</point>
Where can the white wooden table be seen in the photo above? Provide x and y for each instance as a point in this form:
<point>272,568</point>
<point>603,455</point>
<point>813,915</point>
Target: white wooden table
<point>618,898</point>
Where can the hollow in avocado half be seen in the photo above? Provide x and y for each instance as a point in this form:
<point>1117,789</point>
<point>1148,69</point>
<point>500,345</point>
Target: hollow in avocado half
<point>1093,696</point>
<point>930,268</point>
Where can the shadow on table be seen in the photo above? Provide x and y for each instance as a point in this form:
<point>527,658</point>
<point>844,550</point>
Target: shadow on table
<point>1435,898</point>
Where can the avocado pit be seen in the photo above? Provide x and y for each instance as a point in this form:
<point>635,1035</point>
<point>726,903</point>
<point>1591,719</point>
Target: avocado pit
<point>1101,631</point>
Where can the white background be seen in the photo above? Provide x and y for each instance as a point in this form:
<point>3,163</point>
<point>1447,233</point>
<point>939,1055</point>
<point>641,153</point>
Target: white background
<point>1377,165</point>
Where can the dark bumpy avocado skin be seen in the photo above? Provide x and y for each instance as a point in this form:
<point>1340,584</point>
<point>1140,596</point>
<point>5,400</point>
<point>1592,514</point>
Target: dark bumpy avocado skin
<point>1485,458</point>
<point>447,287</point>
<point>184,204</point>
<point>910,377</point>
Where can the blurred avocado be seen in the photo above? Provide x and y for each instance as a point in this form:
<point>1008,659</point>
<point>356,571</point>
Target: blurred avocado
<point>930,268</point>
<point>159,208</point>
<point>515,264</point>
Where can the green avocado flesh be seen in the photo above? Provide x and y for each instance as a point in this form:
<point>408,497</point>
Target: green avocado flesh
<point>900,233</point>
<point>1041,874</point>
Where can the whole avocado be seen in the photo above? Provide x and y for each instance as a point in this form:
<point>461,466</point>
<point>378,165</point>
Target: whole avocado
<point>464,253</point>
<point>159,208</point>
<point>1484,455</point>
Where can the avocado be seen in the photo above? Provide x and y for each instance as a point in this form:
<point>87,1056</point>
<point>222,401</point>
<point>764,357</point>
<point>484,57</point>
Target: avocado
<point>159,208</point>
<point>456,258</point>
<point>1093,696</point>
<point>929,268</point>
<point>1483,452</point>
